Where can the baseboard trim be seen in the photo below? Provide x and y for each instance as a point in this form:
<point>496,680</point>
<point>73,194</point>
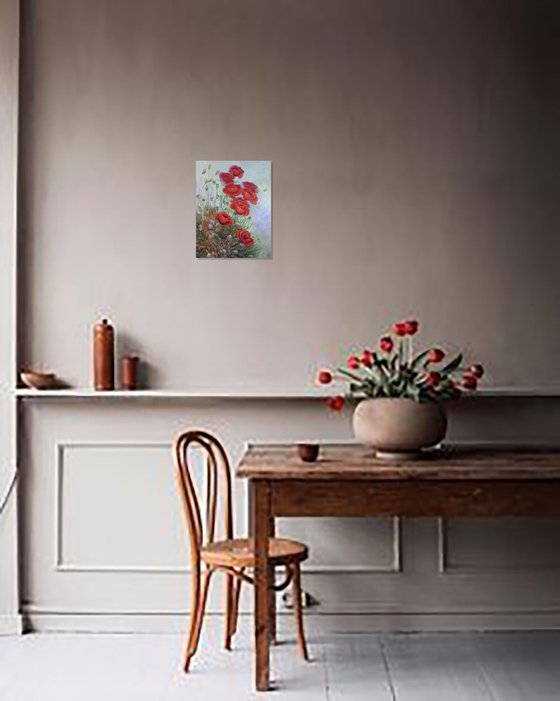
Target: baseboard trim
<point>316,624</point>
<point>11,624</point>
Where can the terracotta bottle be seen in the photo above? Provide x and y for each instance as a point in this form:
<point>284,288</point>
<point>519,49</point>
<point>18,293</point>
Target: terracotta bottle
<point>103,356</point>
<point>129,372</point>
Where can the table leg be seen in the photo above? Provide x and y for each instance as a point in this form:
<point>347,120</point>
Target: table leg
<point>271,584</point>
<point>260,499</point>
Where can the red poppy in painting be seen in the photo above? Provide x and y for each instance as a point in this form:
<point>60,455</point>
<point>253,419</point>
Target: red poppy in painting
<point>250,196</point>
<point>250,186</point>
<point>226,177</point>
<point>224,218</point>
<point>245,237</point>
<point>237,172</point>
<point>232,190</point>
<point>240,206</point>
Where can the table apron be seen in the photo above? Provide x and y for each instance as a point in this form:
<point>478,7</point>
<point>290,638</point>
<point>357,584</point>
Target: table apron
<point>414,498</point>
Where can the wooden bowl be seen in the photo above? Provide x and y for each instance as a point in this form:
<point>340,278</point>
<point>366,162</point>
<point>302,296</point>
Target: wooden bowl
<point>38,380</point>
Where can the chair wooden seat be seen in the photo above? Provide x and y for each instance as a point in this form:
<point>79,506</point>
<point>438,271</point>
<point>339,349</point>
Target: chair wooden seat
<point>240,552</point>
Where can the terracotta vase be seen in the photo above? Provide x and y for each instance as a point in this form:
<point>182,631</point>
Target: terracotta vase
<point>399,428</point>
<point>103,356</point>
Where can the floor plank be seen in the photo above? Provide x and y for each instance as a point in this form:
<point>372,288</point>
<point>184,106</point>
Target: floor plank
<point>356,669</point>
<point>435,667</point>
<point>521,666</point>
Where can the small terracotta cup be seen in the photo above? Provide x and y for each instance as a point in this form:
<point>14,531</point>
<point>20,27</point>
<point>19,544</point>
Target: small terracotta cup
<point>308,452</point>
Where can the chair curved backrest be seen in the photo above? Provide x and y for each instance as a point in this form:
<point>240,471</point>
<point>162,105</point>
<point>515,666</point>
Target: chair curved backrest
<point>218,479</point>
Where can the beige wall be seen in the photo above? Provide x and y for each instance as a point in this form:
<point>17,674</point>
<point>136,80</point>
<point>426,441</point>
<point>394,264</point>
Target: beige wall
<point>414,149</point>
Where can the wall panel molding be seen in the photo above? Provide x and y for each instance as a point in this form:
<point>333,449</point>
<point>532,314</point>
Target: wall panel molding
<point>445,568</point>
<point>394,566</point>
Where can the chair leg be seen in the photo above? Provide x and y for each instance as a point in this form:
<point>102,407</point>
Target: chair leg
<point>296,590</point>
<point>197,615</point>
<point>230,594</point>
<point>235,612</point>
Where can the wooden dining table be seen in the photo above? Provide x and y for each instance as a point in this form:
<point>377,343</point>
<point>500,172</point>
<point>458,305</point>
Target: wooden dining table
<point>348,480</point>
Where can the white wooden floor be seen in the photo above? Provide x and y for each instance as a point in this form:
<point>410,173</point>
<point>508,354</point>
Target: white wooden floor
<point>396,667</point>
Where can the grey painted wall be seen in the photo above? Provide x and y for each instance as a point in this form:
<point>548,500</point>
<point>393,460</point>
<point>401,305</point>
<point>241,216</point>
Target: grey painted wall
<point>414,149</point>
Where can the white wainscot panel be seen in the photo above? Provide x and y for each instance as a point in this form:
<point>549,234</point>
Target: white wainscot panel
<point>493,545</point>
<point>117,509</point>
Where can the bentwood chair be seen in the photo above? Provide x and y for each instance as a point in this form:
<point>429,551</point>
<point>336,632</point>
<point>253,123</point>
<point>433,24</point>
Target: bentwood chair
<point>232,556</point>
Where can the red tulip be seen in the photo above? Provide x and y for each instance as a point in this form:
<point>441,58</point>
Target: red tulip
<point>324,377</point>
<point>232,190</point>
<point>470,382</point>
<point>367,358</point>
<point>435,355</point>
<point>250,186</point>
<point>240,206</point>
<point>411,327</point>
<point>476,371</point>
<point>336,403</point>
<point>237,172</point>
<point>353,362</point>
<point>433,379</point>
<point>226,177</point>
<point>224,218</point>
<point>386,344</point>
<point>400,329</point>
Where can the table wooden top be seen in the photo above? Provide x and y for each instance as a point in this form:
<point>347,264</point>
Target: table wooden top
<point>357,462</point>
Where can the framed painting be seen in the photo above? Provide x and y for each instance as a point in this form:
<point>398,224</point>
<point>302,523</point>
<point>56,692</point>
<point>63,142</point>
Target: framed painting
<point>233,209</point>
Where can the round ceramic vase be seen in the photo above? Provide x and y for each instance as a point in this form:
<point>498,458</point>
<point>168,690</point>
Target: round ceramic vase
<point>399,428</point>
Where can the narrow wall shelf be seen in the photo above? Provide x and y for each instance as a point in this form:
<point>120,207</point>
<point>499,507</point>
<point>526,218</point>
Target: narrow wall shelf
<point>246,393</point>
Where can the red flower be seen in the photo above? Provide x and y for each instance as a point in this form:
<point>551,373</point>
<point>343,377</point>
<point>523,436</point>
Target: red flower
<point>433,379</point>
<point>232,190</point>
<point>250,186</point>
<point>435,355</point>
<point>324,377</point>
<point>353,362</point>
<point>367,358</point>
<point>470,382</point>
<point>250,195</point>
<point>336,403</point>
<point>226,177</point>
<point>245,237</point>
<point>411,327</point>
<point>240,206</point>
<point>400,329</point>
<point>237,172</point>
<point>476,371</point>
<point>224,218</point>
<point>386,344</point>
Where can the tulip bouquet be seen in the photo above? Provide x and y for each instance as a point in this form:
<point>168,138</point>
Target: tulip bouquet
<point>395,370</point>
<point>223,214</point>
